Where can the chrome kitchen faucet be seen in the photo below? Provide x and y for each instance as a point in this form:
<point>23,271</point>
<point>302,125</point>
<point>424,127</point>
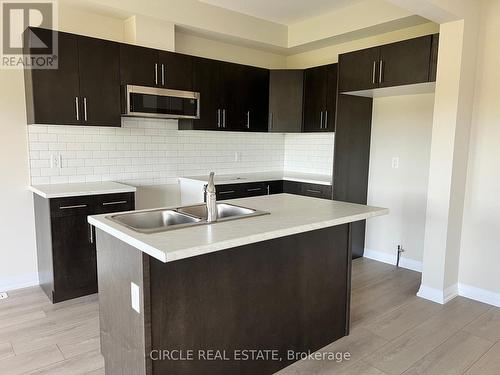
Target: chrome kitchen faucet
<point>211,199</point>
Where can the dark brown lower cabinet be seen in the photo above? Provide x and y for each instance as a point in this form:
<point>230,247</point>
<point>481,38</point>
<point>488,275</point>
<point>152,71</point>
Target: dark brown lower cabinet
<point>66,247</point>
<point>253,189</point>
<point>277,295</point>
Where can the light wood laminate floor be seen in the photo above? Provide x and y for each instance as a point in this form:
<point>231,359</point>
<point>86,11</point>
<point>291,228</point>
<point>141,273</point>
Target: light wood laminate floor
<point>392,332</point>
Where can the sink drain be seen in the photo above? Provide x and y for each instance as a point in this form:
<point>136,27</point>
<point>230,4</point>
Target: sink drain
<point>3,295</point>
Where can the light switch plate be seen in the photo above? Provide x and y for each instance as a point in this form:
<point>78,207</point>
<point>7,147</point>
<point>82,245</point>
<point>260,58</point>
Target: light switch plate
<point>135,296</point>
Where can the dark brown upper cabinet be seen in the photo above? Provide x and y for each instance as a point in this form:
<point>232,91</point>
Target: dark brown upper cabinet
<point>176,70</point>
<point>320,96</point>
<point>250,99</point>
<point>233,97</point>
<point>286,91</point>
<point>138,65</point>
<point>99,67</point>
<point>52,94</point>
<point>208,81</point>
<point>402,63</point>
<point>83,90</point>
<point>149,67</point>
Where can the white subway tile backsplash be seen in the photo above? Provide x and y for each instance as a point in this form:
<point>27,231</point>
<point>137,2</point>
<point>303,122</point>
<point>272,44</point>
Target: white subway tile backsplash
<point>146,152</point>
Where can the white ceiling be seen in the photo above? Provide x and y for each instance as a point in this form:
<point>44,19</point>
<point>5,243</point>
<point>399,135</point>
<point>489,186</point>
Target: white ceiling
<point>285,12</point>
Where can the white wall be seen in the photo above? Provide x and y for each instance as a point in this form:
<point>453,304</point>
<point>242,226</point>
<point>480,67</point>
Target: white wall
<point>480,248</point>
<point>17,255</point>
<point>402,128</point>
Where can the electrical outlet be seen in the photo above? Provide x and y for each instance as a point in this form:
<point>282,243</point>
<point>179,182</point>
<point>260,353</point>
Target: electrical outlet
<point>237,156</point>
<point>395,162</point>
<point>135,294</point>
<point>56,161</point>
<point>3,295</point>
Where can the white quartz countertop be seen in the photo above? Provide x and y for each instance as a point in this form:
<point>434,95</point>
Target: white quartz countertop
<point>312,178</point>
<point>289,214</point>
<point>79,189</point>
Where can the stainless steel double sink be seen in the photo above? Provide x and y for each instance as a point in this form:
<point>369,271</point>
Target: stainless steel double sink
<point>160,220</point>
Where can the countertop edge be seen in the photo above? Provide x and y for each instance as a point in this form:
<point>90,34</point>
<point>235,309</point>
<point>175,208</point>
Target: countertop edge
<point>207,249</point>
<point>124,189</point>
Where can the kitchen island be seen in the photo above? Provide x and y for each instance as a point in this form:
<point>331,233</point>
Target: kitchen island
<point>233,297</point>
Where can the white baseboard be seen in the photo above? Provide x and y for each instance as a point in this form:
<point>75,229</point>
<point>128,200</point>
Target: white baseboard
<point>478,294</point>
<point>18,282</point>
<point>438,295</point>
<point>384,257</point>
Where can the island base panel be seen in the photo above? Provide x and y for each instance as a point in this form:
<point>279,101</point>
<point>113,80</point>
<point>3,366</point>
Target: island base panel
<point>281,295</point>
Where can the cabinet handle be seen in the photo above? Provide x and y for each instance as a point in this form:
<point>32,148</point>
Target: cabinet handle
<point>314,191</point>
<point>77,109</point>
<point>227,192</point>
<point>321,120</point>
<point>268,190</point>
<point>156,74</point>
<point>271,120</point>
<point>218,118</point>
<point>113,203</point>
<point>254,189</point>
<point>248,119</point>
<point>224,118</point>
<point>70,207</point>
<point>91,235</point>
<point>326,119</point>
<point>374,72</point>
<point>381,72</point>
<point>163,75</point>
<point>85,109</point>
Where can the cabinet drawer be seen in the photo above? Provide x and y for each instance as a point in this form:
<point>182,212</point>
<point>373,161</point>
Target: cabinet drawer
<point>310,190</point>
<point>109,203</point>
<point>70,206</point>
<point>231,191</point>
<point>316,190</point>
<point>255,189</point>
<point>91,204</point>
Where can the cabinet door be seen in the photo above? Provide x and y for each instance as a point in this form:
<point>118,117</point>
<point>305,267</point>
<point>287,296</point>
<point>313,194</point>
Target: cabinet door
<point>292,187</point>
<point>257,116</point>
<point>275,187</point>
<point>315,92</point>
<point>405,62</point>
<point>74,257</point>
<point>358,70</point>
<point>52,94</point>
<point>206,81</point>
<point>99,67</point>
<point>234,95</point>
<point>138,66</point>
<point>331,99</point>
<point>285,100</point>
<point>175,71</point>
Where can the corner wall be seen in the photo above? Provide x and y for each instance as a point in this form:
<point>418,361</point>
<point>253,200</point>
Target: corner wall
<point>402,128</point>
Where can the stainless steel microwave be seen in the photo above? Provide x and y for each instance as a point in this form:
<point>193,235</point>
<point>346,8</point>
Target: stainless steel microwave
<point>142,101</point>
